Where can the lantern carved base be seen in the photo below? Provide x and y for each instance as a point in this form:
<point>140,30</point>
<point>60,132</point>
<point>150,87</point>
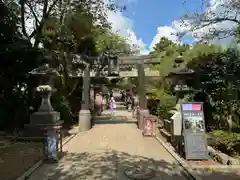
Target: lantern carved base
<point>39,121</point>
<point>45,117</point>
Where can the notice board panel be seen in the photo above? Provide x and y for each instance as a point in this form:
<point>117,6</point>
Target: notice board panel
<point>194,131</point>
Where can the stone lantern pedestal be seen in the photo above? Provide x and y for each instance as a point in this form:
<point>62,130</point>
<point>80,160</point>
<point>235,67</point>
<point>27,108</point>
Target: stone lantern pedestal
<point>45,116</point>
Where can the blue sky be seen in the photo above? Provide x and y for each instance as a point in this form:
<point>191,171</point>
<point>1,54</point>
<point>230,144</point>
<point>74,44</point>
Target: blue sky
<point>145,21</point>
<point>148,20</point>
<point>148,15</point>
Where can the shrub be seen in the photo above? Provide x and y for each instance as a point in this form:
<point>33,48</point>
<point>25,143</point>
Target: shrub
<point>61,104</point>
<point>226,142</point>
<point>161,108</point>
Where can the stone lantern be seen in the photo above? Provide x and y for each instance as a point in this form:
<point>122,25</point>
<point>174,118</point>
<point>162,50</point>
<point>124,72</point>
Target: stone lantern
<point>45,116</point>
<point>113,66</point>
<point>113,69</point>
<point>180,79</point>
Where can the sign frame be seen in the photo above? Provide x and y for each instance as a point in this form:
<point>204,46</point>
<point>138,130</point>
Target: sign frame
<point>190,133</point>
<point>146,130</point>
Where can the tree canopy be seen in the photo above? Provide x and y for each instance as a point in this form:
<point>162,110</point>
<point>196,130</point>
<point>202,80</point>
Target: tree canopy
<point>34,32</point>
<point>214,19</point>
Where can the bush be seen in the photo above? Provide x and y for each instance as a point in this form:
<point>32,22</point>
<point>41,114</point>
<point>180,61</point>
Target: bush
<point>226,142</point>
<point>61,104</point>
<point>161,108</point>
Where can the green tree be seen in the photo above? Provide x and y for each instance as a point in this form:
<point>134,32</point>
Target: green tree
<point>17,59</point>
<point>112,43</point>
<point>79,12</point>
<point>218,75</point>
<point>62,29</point>
<point>168,51</point>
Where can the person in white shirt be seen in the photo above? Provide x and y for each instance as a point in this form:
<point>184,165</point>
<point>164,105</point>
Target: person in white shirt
<point>112,105</point>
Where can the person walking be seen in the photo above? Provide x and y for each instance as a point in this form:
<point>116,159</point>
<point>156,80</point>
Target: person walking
<point>135,105</point>
<point>98,103</point>
<point>112,105</point>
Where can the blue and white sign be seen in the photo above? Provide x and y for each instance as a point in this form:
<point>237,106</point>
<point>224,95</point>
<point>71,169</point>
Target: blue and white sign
<point>51,145</point>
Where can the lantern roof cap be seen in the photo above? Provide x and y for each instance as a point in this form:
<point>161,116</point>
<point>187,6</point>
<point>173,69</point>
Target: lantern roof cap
<point>181,70</point>
<point>44,70</point>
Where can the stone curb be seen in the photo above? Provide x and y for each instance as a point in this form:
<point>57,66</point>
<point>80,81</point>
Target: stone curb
<point>227,167</point>
<point>223,158</point>
<point>40,162</point>
<point>184,166</point>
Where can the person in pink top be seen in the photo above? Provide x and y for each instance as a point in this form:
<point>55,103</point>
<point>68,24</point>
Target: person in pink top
<point>98,103</point>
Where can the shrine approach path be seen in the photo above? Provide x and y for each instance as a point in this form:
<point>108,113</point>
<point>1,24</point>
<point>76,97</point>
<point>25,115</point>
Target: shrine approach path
<point>111,147</point>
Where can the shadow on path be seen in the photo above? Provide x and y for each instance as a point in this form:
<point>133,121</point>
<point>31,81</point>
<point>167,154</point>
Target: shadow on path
<point>111,165</point>
<point>106,151</point>
<point>104,165</point>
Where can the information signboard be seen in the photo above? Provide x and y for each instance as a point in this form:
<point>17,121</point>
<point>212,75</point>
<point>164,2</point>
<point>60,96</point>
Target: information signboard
<point>194,132</point>
<point>51,145</point>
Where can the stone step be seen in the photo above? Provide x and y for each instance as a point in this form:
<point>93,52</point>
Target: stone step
<point>120,108</point>
<point>166,134</point>
<point>119,103</point>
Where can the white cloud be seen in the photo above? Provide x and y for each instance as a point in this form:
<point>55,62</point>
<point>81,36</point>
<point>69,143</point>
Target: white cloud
<point>164,31</point>
<point>215,7</point>
<point>171,32</point>
<point>124,27</point>
<point>136,43</point>
<point>223,8</point>
<point>120,24</point>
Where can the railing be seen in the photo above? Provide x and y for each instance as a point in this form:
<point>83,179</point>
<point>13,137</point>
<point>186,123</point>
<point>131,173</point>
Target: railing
<point>165,128</point>
<point>164,124</point>
<point>167,125</point>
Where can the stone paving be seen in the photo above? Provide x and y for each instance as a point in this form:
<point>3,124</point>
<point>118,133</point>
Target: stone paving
<point>113,145</point>
<point>106,151</point>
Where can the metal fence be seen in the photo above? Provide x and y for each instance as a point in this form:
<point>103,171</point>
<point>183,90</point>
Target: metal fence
<point>167,125</point>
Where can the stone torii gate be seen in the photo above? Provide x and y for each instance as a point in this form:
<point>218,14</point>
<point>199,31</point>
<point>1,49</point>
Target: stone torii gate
<point>128,66</point>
